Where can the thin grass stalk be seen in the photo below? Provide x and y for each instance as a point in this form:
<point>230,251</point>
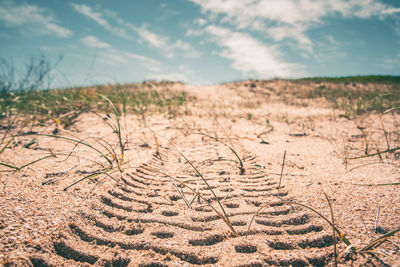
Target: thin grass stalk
<point>377,150</point>
<point>208,185</point>
<point>109,149</point>
<point>345,159</point>
<point>341,235</point>
<point>15,168</point>
<point>118,128</point>
<point>374,154</point>
<point>333,229</point>
<point>82,179</point>
<point>283,166</point>
<point>107,146</point>
<point>87,195</point>
<point>384,132</point>
<point>377,218</point>
<point>195,195</point>
<point>377,241</point>
<point>230,148</point>
<point>9,166</point>
<point>104,171</point>
<point>366,164</point>
<point>71,154</point>
<point>7,144</point>
<point>157,145</point>
<point>223,217</point>
<point>177,189</point>
<point>386,184</point>
<point>55,174</point>
<point>78,142</point>
<point>225,132</point>
<point>10,124</point>
<point>113,127</point>
<point>33,162</point>
<point>364,134</point>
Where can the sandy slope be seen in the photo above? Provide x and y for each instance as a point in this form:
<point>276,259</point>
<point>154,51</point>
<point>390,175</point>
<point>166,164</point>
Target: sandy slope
<point>140,217</point>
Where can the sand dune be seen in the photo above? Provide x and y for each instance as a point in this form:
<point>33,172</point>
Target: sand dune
<point>145,214</point>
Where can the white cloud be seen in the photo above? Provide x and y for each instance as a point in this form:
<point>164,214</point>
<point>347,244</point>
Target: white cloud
<point>252,57</point>
<point>295,32</point>
<point>182,73</point>
<point>391,11</point>
<point>99,19</point>
<point>201,21</point>
<point>87,11</point>
<point>186,49</point>
<point>390,63</point>
<point>158,41</point>
<point>32,18</point>
<point>194,32</point>
<point>244,13</point>
<point>93,42</point>
<point>151,37</point>
<point>288,19</point>
<point>114,56</point>
<point>162,42</point>
<point>172,76</point>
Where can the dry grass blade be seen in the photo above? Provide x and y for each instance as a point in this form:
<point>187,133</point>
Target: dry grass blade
<point>84,178</point>
<point>105,171</point>
<point>210,188</point>
<point>341,235</point>
<point>225,132</point>
<point>224,217</point>
<point>177,189</point>
<point>333,229</point>
<point>78,142</point>
<point>384,132</point>
<point>375,154</point>
<point>366,164</point>
<point>283,166</point>
<point>396,183</point>
<point>15,168</point>
<point>11,137</point>
<point>377,218</point>
<point>377,150</point>
<point>6,145</point>
<point>195,195</point>
<point>117,128</point>
<point>33,162</point>
<point>98,182</point>
<point>54,175</point>
<point>379,240</point>
<point>9,166</point>
<point>241,166</point>
<point>110,149</point>
<point>157,145</point>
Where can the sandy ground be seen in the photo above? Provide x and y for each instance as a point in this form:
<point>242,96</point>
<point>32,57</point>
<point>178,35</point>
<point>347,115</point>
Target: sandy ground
<point>145,214</point>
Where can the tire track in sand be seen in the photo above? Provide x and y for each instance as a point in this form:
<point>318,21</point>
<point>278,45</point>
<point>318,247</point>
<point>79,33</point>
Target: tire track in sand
<point>145,221</point>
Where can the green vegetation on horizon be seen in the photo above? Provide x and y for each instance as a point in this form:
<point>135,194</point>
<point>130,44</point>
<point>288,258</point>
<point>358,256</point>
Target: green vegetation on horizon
<point>385,79</point>
<point>359,101</point>
<point>65,105</point>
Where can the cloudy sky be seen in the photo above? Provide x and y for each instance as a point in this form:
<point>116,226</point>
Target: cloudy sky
<point>202,41</point>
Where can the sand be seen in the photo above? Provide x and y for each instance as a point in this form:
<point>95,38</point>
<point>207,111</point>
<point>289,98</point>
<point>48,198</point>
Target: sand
<point>142,215</point>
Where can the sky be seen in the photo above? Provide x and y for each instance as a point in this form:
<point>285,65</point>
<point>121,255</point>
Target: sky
<point>201,41</point>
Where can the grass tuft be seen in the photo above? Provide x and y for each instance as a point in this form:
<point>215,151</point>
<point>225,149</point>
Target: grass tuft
<point>66,105</point>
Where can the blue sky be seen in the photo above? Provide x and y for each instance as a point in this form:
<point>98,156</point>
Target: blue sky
<point>202,41</point>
